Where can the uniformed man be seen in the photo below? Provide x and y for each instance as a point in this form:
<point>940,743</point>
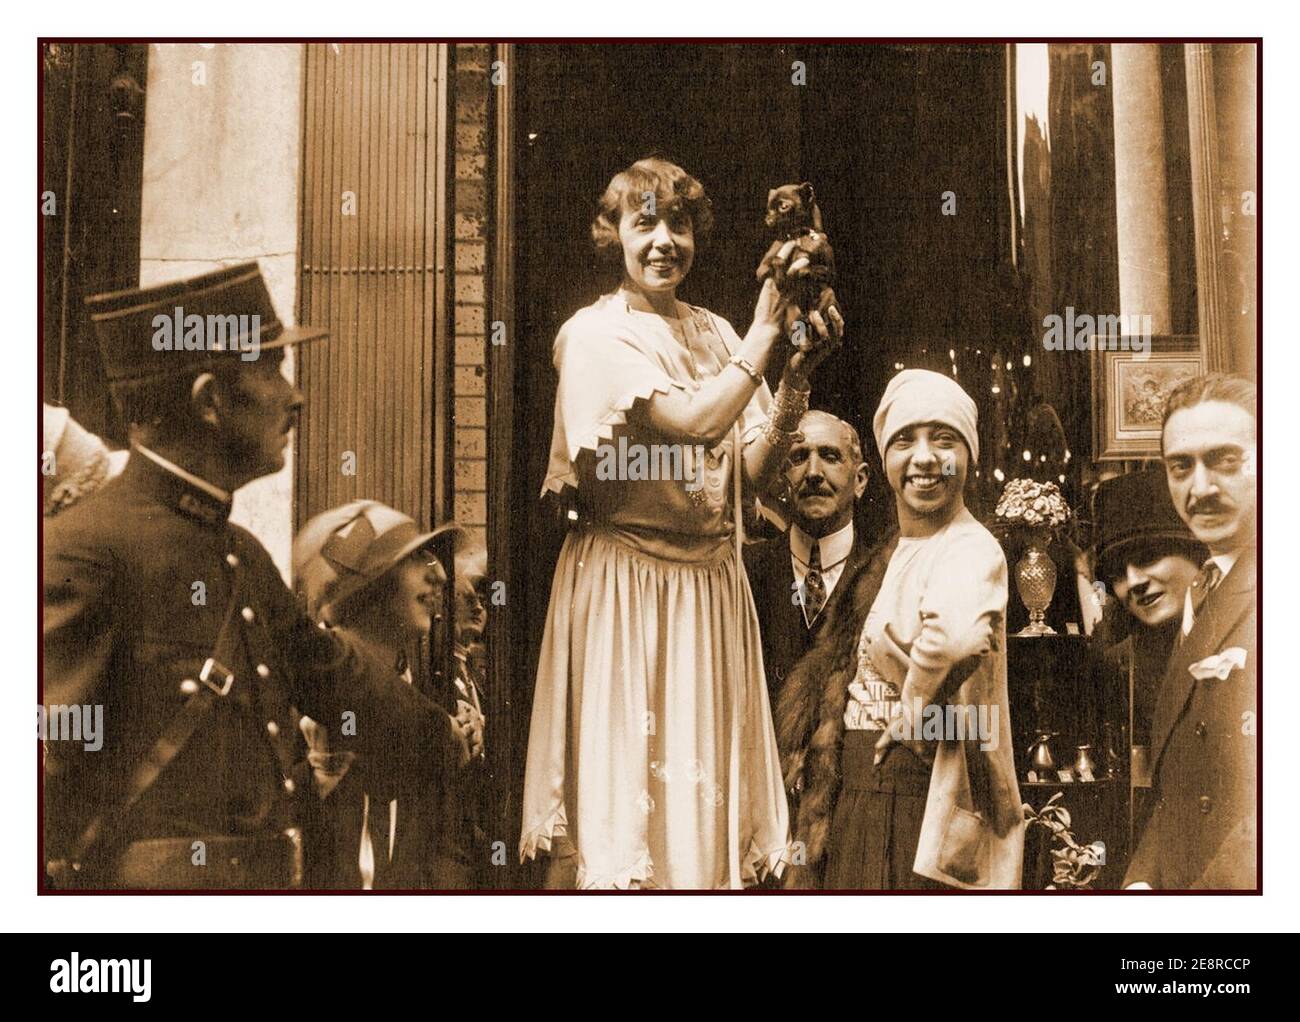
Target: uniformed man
<point>175,627</point>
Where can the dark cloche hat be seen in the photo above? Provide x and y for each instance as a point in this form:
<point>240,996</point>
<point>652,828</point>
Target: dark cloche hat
<point>1135,508</point>
<point>224,317</point>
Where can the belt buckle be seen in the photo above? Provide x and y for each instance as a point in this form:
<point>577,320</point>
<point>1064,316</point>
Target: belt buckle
<point>214,666</point>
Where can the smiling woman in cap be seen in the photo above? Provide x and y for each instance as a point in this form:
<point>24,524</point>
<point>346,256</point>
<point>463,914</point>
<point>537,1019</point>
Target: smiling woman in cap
<point>369,571</point>
<point>915,811</point>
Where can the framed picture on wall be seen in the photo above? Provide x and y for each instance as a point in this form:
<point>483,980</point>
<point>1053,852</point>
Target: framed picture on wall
<point>1130,383</point>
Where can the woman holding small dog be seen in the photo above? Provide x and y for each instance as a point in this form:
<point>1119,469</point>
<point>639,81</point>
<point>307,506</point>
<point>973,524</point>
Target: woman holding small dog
<point>651,757</point>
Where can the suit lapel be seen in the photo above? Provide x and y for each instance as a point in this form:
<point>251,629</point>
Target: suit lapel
<point>1220,614</point>
<point>781,571</point>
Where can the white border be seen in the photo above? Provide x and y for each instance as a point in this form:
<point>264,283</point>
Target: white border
<point>25,912</point>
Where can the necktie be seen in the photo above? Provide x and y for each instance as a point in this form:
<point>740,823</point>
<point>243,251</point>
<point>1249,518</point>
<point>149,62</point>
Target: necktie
<point>814,586</point>
<point>1210,576</point>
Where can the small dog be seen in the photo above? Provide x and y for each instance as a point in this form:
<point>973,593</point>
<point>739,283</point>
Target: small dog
<point>808,273</point>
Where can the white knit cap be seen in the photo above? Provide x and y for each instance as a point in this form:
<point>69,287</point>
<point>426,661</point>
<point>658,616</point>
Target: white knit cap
<point>919,395</point>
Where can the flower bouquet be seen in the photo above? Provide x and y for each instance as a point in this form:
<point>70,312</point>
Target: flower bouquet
<point>1040,509</point>
<point>1032,504</point>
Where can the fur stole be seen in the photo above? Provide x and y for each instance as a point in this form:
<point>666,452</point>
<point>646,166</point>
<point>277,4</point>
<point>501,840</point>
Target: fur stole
<point>809,716</point>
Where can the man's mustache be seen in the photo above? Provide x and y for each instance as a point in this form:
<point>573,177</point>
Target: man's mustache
<point>1207,506</point>
<point>816,491</point>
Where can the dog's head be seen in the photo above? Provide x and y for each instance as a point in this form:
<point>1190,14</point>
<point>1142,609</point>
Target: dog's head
<point>792,208</point>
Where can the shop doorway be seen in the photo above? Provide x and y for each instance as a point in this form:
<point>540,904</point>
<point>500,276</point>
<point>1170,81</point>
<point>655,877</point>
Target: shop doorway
<point>882,131</point>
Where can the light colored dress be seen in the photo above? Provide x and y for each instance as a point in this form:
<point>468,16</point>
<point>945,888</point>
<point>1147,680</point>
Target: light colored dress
<point>651,751</point>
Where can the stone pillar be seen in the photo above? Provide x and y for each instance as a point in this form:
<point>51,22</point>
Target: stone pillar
<point>1221,115</point>
<point>221,186</point>
<point>1140,184</point>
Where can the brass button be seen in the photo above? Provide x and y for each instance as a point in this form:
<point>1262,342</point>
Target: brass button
<point>289,786</point>
<point>1201,729</point>
<point>272,728</point>
<point>189,686</point>
<point>232,560</point>
<point>248,615</point>
<point>263,671</point>
<point>1207,804</point>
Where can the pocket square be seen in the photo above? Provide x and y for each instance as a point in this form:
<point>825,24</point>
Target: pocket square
<point>1220,665</point>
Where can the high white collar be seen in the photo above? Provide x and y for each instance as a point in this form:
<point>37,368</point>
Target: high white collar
<point>189,477</point>
<point>834,548</point>
<point>1225,562</point>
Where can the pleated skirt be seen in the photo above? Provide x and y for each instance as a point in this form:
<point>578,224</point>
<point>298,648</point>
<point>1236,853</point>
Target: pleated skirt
<point>877,823</point>
<point>651,750</point>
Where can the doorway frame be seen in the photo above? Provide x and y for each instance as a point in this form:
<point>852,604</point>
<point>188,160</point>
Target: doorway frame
<point>504,753</point>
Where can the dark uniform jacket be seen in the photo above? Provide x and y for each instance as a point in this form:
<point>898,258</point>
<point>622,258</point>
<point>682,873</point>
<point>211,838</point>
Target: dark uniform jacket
<point>785,635</point>
<point>333,825</point>
<point>1202,828</point>
<point>139,580</point>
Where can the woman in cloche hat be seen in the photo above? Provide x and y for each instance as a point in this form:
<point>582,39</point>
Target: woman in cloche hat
<point>1147,557</point>
<point>367,570</point>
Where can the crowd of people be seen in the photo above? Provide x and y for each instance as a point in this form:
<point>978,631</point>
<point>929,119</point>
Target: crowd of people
<point>707,713</point>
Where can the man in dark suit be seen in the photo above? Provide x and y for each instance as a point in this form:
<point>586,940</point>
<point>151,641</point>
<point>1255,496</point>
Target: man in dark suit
<point>795,578</point>
<point>1202,829</point>
<point>175,628</point>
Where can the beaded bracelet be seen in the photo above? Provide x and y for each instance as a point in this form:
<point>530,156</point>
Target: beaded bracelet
<point>788,408</point>
<point>779,438</point>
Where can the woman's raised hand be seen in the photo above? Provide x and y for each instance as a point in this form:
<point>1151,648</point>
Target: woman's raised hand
<point>774,313</point>
<point>819,341</point>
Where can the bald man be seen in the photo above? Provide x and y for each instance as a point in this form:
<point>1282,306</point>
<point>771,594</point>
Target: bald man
<point>795,578</point>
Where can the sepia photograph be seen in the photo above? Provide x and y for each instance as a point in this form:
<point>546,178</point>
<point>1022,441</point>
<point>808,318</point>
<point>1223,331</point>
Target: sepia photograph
<point>768,467</point>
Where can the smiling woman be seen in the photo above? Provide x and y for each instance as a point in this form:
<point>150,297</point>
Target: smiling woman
<point>651,756</point>
<point>652,217</point>
<point>366,569</point>
<point>916,812</point>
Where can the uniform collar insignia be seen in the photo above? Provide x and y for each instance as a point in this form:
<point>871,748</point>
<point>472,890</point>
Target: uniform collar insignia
<point>184,491</point>
<point>200,505</point>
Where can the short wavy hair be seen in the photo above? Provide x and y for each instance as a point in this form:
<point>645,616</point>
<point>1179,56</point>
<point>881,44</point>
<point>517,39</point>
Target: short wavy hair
<point>1230,388</point>
<point>673,189</point>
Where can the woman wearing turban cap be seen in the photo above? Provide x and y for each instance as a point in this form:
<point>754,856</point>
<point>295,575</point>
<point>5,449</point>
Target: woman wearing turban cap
<point>929,794</point>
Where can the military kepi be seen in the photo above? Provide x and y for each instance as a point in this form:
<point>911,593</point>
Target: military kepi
<point>224,317</point>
